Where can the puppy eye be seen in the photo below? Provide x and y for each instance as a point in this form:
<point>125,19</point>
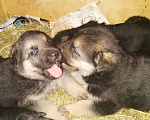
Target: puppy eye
<point>33,52</point>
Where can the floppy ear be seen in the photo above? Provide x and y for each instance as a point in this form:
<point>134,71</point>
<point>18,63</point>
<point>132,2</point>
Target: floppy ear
<point>105,61</point>
<point>12,51</point>
<point>98,57</point>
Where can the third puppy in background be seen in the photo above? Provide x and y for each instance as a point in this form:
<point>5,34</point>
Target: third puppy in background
<point>133,34</point>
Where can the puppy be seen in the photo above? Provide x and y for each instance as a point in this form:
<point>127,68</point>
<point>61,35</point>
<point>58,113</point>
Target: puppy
<point>133,34</point>
<point>31,72</point>
<point>113,78</point>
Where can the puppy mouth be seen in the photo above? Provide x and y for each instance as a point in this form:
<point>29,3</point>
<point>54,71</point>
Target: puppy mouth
<point>55,71</point>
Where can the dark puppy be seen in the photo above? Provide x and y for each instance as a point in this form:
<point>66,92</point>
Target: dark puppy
<point>12,113</point>
<point>30,74</point>
<point>113,78</point>
<point>133,35</point>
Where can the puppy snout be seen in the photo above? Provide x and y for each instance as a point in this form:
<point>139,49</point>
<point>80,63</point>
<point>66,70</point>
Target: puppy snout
<point>54,55</point>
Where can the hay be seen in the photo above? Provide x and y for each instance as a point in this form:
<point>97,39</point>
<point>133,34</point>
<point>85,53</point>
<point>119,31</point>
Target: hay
<point>59,97</point>
<point>10,35</point>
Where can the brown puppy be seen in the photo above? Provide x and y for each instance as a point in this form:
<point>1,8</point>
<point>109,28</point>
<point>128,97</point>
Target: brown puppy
<point>133,34</point>
<point>113,78</point>
<point>30,74</point>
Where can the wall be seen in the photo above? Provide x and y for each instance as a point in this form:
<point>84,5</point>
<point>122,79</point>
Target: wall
<point>114,10</point>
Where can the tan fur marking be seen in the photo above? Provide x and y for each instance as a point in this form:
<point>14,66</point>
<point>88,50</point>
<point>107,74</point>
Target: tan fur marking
<point>30,71</point>
<point>109,57</point>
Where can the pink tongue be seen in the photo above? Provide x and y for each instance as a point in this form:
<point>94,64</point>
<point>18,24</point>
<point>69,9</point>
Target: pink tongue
<point>55,71</point>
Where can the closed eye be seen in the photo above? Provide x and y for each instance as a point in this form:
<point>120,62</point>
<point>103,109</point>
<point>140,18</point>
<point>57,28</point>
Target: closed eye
<point>75,51</point>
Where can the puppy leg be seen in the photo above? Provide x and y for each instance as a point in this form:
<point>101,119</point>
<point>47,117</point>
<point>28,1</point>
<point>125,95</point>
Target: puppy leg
<point>80,108</point>
<point>79,78</point>
<point>72,87</point>
<point>49,108</point>
<point>9,113</point>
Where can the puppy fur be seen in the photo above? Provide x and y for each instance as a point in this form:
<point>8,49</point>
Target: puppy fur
<point>133,34</point>
<point>24,84</point>
<point>113,78</point>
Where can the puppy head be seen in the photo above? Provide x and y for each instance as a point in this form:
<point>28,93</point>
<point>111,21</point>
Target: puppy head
<point>66,35</point>
<point>92,50</point>
<point>34,54</point>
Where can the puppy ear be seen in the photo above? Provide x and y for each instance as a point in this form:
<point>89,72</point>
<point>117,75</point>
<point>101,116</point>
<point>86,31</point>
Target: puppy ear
<point>13,54</point>
<point>105,61</point>
<point>12,51</point>
<point>98,57</point>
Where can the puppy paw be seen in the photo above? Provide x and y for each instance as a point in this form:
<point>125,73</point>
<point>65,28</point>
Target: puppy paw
<point>84,96</point>
<point>32,116</point>
<point>79,93</point>
<point>70,110</point>
<point>80,108</point>
<point>63,111</point>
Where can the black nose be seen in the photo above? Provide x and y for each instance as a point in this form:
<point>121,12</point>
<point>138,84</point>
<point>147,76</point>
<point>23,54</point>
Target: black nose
<point>54,55</point>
